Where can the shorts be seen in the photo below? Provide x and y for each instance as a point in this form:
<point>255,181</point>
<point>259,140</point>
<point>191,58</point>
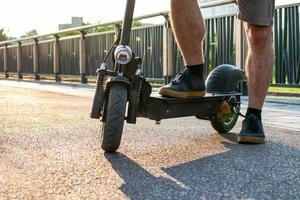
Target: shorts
<point>258,12</point>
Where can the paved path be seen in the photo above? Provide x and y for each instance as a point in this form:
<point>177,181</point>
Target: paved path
<point>281,112</point>
<point>50,149</point>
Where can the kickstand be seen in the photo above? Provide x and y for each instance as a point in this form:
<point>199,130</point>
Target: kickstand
<point>242,115</point>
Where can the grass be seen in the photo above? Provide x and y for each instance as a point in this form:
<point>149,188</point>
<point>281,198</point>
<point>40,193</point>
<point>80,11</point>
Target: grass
<point>284,89</point>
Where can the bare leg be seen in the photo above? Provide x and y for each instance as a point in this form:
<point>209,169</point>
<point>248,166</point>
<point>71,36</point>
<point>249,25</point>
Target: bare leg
<point>259,63</point>
<point>189,30</point>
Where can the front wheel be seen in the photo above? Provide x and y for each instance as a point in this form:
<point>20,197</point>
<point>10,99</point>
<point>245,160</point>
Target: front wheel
<point>114,113</point>
<point>223,122</point>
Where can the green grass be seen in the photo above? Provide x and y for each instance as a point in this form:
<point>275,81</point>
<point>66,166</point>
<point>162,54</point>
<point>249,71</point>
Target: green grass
<point>284,89</point>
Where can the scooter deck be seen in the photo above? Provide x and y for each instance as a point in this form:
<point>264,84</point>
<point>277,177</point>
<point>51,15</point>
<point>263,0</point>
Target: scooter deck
<point>161,107</point>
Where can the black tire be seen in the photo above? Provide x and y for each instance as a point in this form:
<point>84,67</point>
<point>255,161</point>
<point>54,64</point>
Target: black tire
<point>223,123</point>
<point>112,127</point>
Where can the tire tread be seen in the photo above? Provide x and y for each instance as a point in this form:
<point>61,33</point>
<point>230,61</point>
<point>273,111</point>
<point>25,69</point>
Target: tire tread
<point>113,126</point>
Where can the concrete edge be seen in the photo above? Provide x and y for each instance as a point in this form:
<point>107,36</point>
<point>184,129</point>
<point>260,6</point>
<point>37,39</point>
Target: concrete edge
<point>271,98</point>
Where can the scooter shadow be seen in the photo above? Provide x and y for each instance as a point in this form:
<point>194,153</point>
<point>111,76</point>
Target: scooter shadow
<point>266,171</point>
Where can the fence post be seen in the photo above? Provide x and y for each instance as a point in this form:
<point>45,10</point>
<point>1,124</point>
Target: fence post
<point>117,30</point>
<point>36,60</point>
<point>239,49</point>
<point>82,57</point>
<point>239,43</point>
<point>56,58</point>
<point>19,61</point>
<point>5,62</point>
<point>168,62</point>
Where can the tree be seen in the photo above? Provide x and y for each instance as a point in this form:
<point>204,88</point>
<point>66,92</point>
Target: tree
<point>135,23</point>
<point>32,32</point>
<point>3,35</point>
<point>69,34</point>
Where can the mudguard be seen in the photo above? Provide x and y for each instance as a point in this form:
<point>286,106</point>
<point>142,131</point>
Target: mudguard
<point>117,79</point>
<point>224,79</point>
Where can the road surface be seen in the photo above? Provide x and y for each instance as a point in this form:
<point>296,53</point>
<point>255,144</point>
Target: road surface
<point>50,149</point>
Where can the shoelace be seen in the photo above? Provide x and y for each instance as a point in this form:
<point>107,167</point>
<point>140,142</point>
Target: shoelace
<point>178,78</point>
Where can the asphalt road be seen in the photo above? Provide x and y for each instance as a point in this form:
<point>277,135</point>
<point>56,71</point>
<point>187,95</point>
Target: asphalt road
<point>50,149</point>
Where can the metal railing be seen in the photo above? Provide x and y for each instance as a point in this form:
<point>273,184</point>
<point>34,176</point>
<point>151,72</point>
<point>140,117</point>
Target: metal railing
<point>80,55</point>
<point>287,45</point>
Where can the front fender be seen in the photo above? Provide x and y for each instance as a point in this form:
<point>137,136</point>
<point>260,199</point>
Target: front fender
<point>117,80</point>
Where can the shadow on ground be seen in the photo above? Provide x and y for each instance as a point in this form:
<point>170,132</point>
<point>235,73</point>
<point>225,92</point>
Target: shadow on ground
<point>269,171</point>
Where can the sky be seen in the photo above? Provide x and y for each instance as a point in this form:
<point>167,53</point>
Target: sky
<point>18,17</point>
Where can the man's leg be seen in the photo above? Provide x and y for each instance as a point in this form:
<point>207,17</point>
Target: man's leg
<point>189,31</point>
<point>259,63</point>
<point>259,66</point>
<point>258,19</point>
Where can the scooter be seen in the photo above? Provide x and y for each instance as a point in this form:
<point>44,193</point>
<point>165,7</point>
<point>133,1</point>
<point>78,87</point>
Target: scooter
<point>123,93</point>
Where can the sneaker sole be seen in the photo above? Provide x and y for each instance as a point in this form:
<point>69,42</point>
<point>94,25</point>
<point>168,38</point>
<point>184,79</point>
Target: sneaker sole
<point>251,140</point>
<point>171,93</point>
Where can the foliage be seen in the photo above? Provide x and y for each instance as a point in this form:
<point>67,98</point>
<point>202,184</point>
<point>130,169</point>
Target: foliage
<point>284,89</point>
<point>3,35</point>
<point>101,29</point>
<point>29,33</point>
<point>135,23</point>
<point>69,34</point>
<point>33,32</point>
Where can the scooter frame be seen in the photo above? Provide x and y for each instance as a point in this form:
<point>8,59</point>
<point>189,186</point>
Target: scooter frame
<point>127,76</point>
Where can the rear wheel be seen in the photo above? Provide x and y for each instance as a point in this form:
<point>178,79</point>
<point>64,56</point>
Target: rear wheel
<point>223,122</point>
<point>114,113</point>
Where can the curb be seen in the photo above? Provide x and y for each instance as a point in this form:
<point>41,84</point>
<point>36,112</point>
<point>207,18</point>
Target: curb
<point>273,97</point>
<point>279,100</point>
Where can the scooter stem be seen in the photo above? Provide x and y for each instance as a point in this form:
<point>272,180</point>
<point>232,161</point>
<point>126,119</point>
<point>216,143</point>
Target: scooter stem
<point>127,22</point>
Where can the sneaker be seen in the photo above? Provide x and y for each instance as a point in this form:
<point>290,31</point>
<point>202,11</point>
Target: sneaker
<point>185,84</point>
<point>252,131</point>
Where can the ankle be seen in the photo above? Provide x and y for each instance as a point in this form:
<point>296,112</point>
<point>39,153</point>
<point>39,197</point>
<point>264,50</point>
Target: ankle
<point>196,70</point>
<point>255,112</point>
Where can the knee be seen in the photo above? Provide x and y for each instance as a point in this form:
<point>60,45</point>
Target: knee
<point>259,37</point>
<point>182,2</point>
<point>176,3</point>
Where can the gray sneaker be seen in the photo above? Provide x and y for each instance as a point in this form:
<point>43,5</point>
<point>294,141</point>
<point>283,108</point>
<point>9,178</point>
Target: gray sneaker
<point>252,131</point>
<point>183,85</point>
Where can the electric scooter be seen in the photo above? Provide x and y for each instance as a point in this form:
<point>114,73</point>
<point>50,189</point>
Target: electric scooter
<point>123,94</point>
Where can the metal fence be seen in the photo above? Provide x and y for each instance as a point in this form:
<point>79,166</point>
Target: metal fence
<point>45,57</point>
<point>69,57</point>
<point>1,59</point>
<point>219,46</point>
<point>287,44</point>
<point>12,59</point>
<point>27,58</point>
<point>147,43</point>
<point>82,54</point>
<point>97,46</point>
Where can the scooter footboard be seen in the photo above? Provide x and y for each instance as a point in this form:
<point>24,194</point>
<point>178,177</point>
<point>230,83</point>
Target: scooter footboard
<point>165,108</point>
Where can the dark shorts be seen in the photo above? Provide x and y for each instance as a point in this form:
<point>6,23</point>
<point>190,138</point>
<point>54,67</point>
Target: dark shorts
<point>258,12</point>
